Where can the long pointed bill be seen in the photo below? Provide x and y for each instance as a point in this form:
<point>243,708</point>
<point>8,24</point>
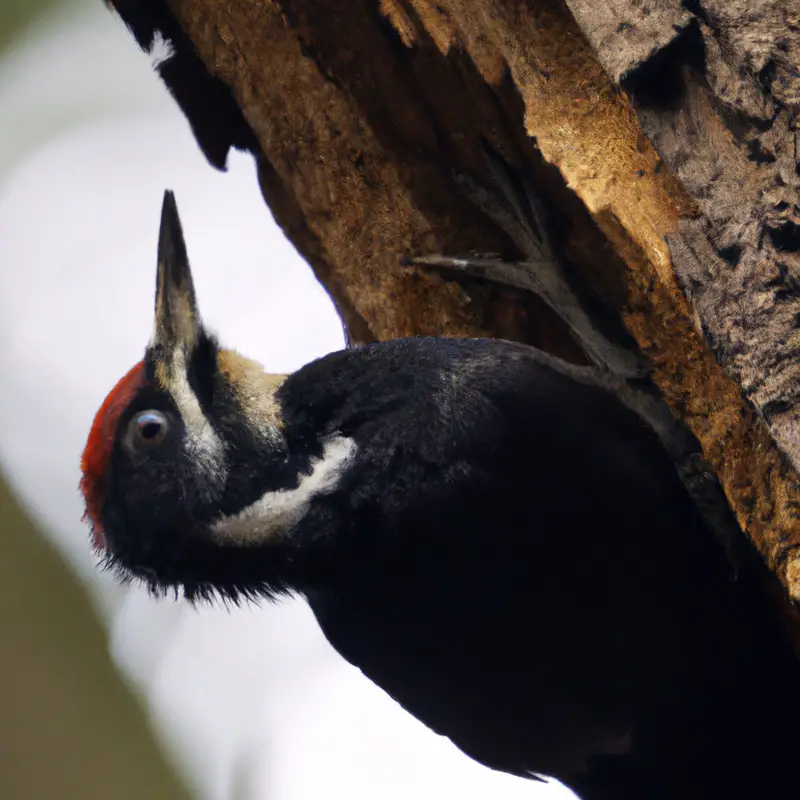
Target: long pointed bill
<point>176,334</point>
<point>177,322</point>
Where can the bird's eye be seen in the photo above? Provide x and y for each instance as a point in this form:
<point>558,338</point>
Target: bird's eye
<point>148,428</point>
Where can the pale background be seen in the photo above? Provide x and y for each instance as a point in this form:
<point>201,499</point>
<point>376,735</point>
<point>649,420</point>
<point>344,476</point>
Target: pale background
<point>249,704</point>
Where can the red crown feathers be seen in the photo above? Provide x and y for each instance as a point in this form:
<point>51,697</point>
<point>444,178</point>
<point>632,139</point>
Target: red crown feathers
<point>97,453</point>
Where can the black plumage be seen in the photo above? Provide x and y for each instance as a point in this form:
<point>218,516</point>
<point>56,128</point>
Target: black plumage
<point>513,558</point>
<point>504,547</point>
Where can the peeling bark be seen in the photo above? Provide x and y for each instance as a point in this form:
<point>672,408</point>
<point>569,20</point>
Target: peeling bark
<point>721,107</point>
<point>626,34</point>
<point>642,121</point>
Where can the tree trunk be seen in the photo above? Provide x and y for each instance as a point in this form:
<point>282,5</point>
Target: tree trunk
<point>661,133</point>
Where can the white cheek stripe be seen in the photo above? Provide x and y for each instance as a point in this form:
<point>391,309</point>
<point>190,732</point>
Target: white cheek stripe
<point>276,512</point>
<point>202,442</point>
<point>189,406</point>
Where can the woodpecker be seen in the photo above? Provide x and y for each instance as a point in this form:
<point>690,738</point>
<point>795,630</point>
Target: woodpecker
<point>491,535</point>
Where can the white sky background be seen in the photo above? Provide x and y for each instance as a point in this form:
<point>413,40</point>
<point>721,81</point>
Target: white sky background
<point>252,704</point>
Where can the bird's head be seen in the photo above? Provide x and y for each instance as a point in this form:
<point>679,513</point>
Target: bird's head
<point>190,479</point>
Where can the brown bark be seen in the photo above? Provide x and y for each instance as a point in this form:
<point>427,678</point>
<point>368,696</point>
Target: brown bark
<point>641,122</point>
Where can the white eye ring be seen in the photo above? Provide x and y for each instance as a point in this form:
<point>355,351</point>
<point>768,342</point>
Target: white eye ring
<point>148,428</point>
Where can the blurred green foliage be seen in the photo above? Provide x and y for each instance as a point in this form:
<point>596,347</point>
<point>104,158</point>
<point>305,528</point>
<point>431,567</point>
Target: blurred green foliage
<point>70,729</point>
<point>15,14</point>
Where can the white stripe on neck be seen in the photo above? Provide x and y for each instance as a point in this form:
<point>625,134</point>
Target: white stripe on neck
<point>201,438</point>
<point>276,512</point>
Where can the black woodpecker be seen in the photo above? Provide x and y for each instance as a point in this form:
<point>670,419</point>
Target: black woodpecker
<point>491,535</point>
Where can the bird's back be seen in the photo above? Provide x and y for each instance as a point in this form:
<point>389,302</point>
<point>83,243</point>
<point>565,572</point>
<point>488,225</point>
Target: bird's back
<point>536,583</point>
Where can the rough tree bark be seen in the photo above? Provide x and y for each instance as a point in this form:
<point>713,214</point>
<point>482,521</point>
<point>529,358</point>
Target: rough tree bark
<point>662,134</point>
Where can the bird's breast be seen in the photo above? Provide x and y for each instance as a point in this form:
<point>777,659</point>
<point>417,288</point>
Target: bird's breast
<point>473,666</point>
